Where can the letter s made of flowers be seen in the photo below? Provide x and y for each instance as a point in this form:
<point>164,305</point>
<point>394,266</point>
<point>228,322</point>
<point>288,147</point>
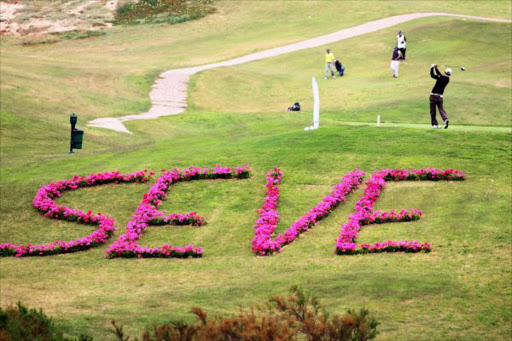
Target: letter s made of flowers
<point>44,202</point>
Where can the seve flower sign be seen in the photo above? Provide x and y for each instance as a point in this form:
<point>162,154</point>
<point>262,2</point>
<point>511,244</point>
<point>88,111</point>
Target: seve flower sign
<point>263,243</point>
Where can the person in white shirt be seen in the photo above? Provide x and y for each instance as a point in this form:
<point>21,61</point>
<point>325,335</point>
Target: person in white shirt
<point>401,41</point>
<point>395,61</point>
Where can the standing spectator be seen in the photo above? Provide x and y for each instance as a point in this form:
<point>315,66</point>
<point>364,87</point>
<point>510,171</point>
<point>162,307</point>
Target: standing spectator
<point>436,96</point>
<point>329,64</point>
<point>401,41</point>
<point>395,61</point>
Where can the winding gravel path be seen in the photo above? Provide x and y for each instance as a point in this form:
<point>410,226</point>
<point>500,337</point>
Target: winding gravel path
<point>169,93</point>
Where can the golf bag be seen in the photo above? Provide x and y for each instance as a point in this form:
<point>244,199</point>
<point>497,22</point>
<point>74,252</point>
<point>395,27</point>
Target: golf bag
<point>339,67</point>
<point>294,107</point>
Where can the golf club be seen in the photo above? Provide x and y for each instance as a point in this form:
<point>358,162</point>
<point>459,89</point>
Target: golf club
<point>462,68</point>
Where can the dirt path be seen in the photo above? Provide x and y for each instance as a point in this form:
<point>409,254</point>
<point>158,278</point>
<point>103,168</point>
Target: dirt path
<point>169,93</point>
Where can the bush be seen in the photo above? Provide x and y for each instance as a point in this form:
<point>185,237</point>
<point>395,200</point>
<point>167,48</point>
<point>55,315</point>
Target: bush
<point>18,323</point>
<point>57,37</point>
<point>162,11</point>
<point>79,34</point>
<point>298,317</point>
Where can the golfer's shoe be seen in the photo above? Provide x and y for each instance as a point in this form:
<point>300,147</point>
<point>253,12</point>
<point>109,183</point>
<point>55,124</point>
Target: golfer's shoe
<point>435,126</point>
<point>333,76</point>
<point>445,125</point>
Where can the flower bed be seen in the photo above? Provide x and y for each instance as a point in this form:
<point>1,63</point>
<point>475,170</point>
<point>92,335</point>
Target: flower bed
<point>44,202</point>
<point>147,214</point>
<point>365,215</point>
<point>262,243</point>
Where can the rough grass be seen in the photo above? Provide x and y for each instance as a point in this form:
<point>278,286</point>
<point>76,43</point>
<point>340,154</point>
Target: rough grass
<point>461,291</point>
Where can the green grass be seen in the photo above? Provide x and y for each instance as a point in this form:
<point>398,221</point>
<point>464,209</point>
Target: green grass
<point>367,89</point>
<point>449,288</point>
<point>461,291</point>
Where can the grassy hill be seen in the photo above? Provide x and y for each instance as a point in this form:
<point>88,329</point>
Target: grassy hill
<point>461,291</point>
<point>367,89</point>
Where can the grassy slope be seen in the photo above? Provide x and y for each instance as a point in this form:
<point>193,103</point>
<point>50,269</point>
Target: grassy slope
<point>368,89</point>
<point>75,76</point>
<point>462,288</point>
<point>461,291</point>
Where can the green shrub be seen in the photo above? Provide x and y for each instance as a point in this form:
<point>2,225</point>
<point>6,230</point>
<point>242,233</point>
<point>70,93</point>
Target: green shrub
<point>18,323</point>
<point>56,37</point>
<point>162,11</point>
<point>79,34</point>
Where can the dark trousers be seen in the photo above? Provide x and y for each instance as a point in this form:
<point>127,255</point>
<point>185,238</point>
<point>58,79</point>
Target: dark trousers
<point>403,52</point>
<point>437,101</point>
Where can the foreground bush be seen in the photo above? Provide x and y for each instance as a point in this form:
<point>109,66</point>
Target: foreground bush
<point>18,323</point>
<point>297,317</point>
<point>162,11</point>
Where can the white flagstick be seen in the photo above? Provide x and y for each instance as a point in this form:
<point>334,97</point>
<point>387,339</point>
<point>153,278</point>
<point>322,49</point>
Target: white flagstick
<point>316,106</point>
<point>378,121</point>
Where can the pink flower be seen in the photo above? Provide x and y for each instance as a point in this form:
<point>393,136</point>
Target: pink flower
<point>147,214</point>
<point>44,202</point>
<point>365,215</point>
<point>262,244</point>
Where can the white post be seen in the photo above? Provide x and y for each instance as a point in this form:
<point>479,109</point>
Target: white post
<point>378,121</point>
<point>316,106</point>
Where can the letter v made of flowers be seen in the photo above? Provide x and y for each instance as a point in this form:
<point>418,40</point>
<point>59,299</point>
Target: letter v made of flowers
<point>263,244</point>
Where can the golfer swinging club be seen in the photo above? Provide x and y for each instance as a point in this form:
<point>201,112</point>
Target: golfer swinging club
<point>436,96</point>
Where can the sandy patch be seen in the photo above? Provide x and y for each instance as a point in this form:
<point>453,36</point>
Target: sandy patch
<point>8,11</point>
<point>7,14</point>
<point>111,5</point>
<point>20,20</point>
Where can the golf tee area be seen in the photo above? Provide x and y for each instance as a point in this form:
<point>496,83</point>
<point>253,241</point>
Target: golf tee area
<point>219,199</point>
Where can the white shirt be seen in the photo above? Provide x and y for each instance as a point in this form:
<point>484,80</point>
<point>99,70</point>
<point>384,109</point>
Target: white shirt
<point>400,41</point>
